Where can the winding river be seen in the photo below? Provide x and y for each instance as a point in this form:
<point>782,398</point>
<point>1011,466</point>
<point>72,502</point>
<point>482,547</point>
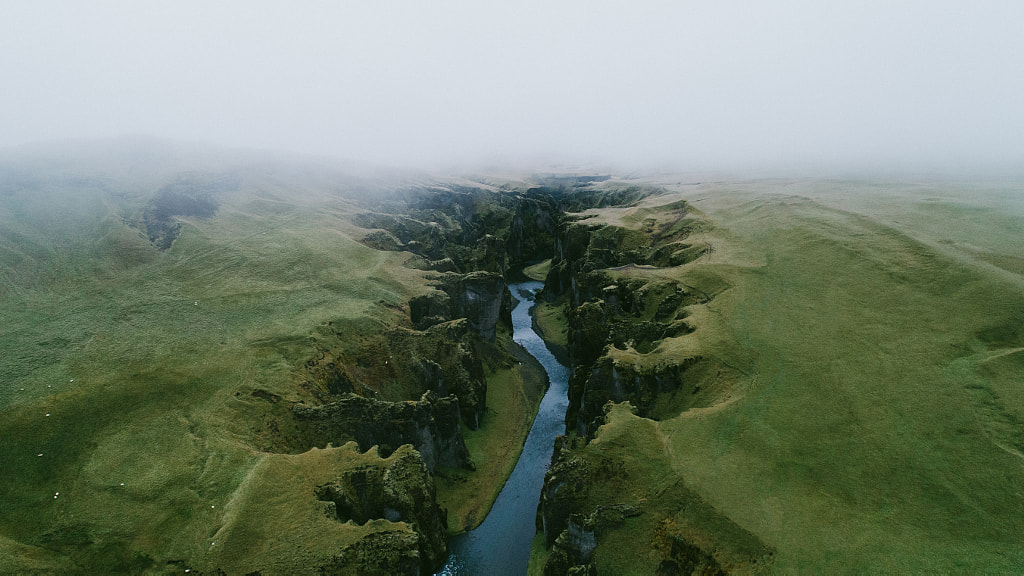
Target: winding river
<point>501,545</point>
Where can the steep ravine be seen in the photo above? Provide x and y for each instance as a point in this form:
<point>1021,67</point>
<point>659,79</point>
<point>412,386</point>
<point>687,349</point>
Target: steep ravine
<point>611,501</point>
<point>501,545</point>
<point>423,381</point>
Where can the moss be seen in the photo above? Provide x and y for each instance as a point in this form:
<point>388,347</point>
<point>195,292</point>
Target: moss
<point>513,396</point>
<point>622,488</point>
<point>538,271</point>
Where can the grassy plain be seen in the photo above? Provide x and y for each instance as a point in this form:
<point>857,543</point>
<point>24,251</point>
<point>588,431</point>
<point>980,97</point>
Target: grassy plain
<point>874,333</point>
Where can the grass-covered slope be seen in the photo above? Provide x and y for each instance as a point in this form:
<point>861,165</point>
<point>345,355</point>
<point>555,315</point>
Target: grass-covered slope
<point>127,371</point>
<point>866,320</point>
<point>868,342</point>
<point>146,379</point>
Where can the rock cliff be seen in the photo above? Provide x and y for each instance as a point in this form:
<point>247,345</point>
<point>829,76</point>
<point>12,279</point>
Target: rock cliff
<point>624,478</point>
<point>403,364</point>
<point>431,425</point>
<point>482,298</point>
<point>608,307</point>
<point>400,490</point>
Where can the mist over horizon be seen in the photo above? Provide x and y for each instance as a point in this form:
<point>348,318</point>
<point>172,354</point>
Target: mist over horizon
<point>794,87</point>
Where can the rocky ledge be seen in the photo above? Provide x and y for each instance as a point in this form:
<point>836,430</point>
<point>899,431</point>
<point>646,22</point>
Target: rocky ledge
<point>431,425</point>
<point>398,489</point>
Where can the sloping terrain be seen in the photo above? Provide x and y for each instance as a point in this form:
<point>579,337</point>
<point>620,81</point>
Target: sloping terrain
<point>194,350</point>
<point>846,398</point>
<point>224,362</point>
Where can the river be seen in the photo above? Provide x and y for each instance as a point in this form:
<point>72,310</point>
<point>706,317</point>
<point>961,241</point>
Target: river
<point>501,544</point>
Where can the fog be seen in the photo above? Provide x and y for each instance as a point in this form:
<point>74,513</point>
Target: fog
<point>687,85</point>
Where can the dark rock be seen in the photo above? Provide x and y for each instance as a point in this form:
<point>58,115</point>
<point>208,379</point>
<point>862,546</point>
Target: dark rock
<point>566,487</point>
<point>684,558</point>
<point>379,554</point>
<point>610,381</point>
<point>443,359</point>
<point>429,309</point>
<point>400,490</point>
<point>482,298</point>
<point>193,195</point>
<point>403,364</point>
<point>431,425</point>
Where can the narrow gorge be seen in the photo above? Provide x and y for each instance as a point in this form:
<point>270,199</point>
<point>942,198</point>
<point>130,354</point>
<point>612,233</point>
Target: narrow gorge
<point>612,284</point>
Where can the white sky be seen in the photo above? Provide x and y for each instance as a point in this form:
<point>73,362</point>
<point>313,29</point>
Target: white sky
<point>695,85</point>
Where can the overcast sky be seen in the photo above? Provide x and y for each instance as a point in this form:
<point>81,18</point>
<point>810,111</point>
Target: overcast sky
<point>695,85</point>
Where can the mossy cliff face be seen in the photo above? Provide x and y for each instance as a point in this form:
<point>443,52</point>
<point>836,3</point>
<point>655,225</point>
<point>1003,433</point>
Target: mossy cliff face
<point>611,306</point>
<point>622,307</point>
<point>583,246</point>
<point>662,391</point>
<point>616,504</point>
<point>399,491</point>
<point>482,298</point>
<point>431,425</point>
<point>331,511</point>
<point>403,364</point>
<point>464,229</point>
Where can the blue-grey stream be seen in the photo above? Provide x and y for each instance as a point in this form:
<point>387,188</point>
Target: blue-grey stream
<point>501,544</point>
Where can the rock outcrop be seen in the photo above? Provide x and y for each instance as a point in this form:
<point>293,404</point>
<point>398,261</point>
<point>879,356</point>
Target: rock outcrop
<point>399,491</point>
<point>662,391</point>
<point>442,359</point>
<point>570,524</point>
<point>573,549</point>
<point>482,298</point>
<point>431,425</point>
<point>403,363</point>
<point>379,554</point>
<point>632,315</point>
<point>584,502</point>
<point>466,229</point>
<point>188,196</point>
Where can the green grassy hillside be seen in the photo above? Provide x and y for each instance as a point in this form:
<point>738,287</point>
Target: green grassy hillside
<point>865,320</point>
<point>870,339</point>
<point>851,356</point>
<point>139,386</point>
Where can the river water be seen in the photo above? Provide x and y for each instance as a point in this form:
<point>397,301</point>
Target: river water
<point>501,545</point>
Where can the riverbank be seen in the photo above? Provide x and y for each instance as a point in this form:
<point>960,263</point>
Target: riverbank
<point>513,398</point>
<point>501,544</point>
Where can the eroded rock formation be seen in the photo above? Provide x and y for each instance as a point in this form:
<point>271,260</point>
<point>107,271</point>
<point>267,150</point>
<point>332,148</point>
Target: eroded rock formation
<point>398,489</point>
<point>431,425</point>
